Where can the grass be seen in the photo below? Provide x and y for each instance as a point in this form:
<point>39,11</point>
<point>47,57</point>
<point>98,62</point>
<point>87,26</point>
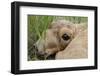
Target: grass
<point>38,24</point>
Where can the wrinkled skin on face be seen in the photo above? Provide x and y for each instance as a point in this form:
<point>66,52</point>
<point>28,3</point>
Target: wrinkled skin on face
<point>78,47</point>
<point>57,37</point>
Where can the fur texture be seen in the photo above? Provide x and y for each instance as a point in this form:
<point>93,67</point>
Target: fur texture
<point>60,37</point>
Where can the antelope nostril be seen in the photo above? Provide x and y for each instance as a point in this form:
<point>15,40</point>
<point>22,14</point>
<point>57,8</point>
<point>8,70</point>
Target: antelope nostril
<point>34,46</point>
<point>65,37</point>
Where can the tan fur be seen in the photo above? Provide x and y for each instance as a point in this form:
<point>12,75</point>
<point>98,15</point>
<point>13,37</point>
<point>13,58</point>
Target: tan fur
<point>53,42</point>
<point>76,49</point>
<point>49,44</point>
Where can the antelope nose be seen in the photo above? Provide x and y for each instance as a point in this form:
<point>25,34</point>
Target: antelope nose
<point>34,46</point>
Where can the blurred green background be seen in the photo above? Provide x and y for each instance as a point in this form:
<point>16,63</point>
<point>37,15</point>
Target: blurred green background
<point>38,24</point>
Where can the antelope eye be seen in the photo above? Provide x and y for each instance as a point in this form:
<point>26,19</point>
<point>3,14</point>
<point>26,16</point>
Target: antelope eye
<point>65,37</point>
